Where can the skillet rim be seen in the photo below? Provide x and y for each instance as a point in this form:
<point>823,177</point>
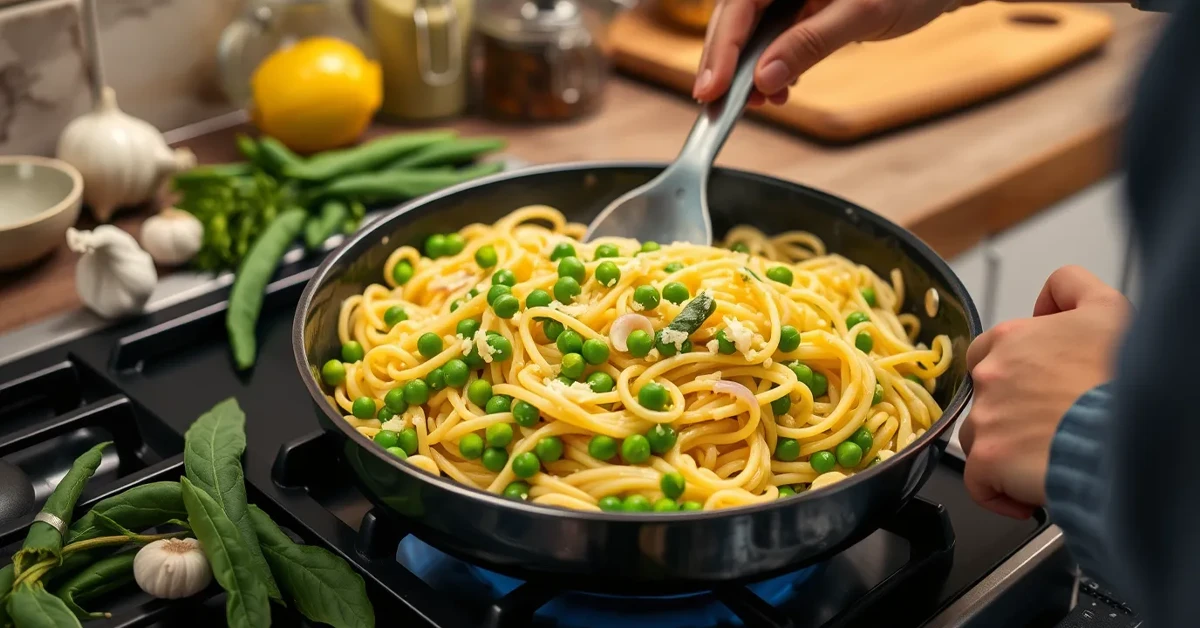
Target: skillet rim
<point>323,274</point>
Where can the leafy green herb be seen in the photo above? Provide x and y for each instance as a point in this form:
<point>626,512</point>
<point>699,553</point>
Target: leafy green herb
<point>32,606</point>
<point>246,605</point>
<point>97,579</point>
<point>43,540</point>
<point>7,576</point>
<point>138,508</point>
<point>235,210</point>
<point>694,314</point>
<point>321,585</point>
<point>212,459</point>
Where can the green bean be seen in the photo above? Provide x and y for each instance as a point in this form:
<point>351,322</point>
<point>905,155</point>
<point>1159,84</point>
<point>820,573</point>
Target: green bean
<point>215,172</point>
<point>275,157</point>
<point>248,147</point>
<point>246,298</point>
<point>364,157</point>
<point>398,185</point>
<point>97,579</point>
<point>318,228</point>
<point>450,153</point>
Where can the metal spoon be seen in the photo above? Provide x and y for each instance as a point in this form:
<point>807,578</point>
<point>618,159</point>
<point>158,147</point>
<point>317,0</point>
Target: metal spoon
<point>674,206</point>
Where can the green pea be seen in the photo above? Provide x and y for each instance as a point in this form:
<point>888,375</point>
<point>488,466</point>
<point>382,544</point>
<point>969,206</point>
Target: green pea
<point>416,392</point>
<point>385,414</point>
<point>803,373</point>
<point>864,342</point>
<point>868,295</point>
<point>552,329</point>
<point>467,327</point>
<point>363,408</point>
<point>691,506</point>
<point>725,346</point>
<point>352,352</point>
<point>786,491</point>
<point>607,250</point>
<point>566,289</point>
<point>635,449</point>
<point>455,304</point>
<point>781,274</point>
<point>526,465</point>
<point>822,461</point>
<point>862,437</point>
<point>569,342</point>
<point>595,351</point>
<point>429,344</point>
<point>789,338</point>
<point>387,438</point>
<point>517,490</point>
<point>572,365</point>
<point>498,404</point>
<point>470,446</point>
<point>849,454</point>
<point>600,382</point>
<point>498,435</point>
<point>878,396</point>
<point>665,504</point>
<point>672,484</point>
<point>479,392</point>
<point>504,277</point>
<point>495,292</point>
<point>538,298</point>
<point>915,379</point>
<point>549,449</point>
<point>454,244</point>
<point>675,292</point>
<point>506,306</point>
<point>572,267</point>
<point>739,247</point>
<point>501,347</point>
<point>639,343</point>
<point>673,267</point>
<point>402,272</point>
<point>456,373</point>
<point>472,293</point>
<point>407,440</point>
<point>646,296</point>
<point>787,449</point>
<point>662,438</point>
<point>486,256</point>
<point>494,459</point>
<point>666,349</point>
<point>855,318</point>
<point>525,413</point>
<point>654,396</point>
<point>397,452</point>
<point>636,503</point>
<point>650,246</point>
<point>820,384</point>
<point>435,246</point>
<point>394,400</point>
<point>333,372</point>
<point>602,447</point>
<point>610,503</point>
<point>436,379</point>
<point>608,274</point>
<point>781,405</point>
<point>561,250</point>
<point>394,315</point>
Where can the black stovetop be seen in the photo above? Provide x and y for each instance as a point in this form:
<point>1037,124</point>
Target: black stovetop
<point>143,382</point>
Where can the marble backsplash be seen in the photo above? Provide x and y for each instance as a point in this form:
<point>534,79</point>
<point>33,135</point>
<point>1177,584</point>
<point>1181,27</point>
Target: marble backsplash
<point>159,56</point>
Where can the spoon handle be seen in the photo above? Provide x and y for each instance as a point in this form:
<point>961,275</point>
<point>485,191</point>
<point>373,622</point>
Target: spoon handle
<point>717,118</point>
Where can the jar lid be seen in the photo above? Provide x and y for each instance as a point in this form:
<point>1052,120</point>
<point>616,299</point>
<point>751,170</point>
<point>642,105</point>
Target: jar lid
<point>530,20</point>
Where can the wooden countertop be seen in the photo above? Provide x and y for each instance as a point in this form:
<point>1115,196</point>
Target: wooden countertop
<point>954,180</point>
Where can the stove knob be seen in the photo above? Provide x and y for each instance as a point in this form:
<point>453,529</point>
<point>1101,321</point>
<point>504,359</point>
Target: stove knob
<point>16,492</point>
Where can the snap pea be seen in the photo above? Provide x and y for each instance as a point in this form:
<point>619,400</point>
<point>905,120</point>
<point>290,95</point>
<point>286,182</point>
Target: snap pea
<point>104,575</point>
<point>318,228</point>
<point>276,158</point>
<point>451,152</point>
<point>364,157</point>
<point>397,184</point>
<point>44,540</point>
<point>245,301</point>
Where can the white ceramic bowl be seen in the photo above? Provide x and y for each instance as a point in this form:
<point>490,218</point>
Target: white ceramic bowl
<point>39,199</point>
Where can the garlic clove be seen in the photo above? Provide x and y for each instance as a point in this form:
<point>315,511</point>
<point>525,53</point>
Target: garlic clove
<point>172,237</point>
<point>172,568</point>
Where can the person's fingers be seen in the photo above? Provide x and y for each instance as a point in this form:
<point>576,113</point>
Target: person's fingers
<point>1065,289</point>
<point>778,98</point>
<point>756,99</point>
<point>814,38</point>
<point>986,495</point>
<point>982,346</point>
<point>729,34</point>
<point>966,435</point>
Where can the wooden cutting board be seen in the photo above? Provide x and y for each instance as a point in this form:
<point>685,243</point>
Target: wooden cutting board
<point>962,57</point>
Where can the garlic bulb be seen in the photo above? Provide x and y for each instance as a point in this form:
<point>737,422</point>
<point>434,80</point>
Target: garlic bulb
<point>115,276</point>
<point>172,568</point>
<point>172,237</point>
<point>122,159</point>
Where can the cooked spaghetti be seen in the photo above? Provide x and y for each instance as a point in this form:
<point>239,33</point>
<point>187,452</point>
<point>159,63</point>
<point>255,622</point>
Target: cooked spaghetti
<point>629,376</point>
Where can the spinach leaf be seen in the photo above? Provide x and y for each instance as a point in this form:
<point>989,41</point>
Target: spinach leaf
<point>138,508</point>
<point>322,586</point>
<point>43,540</point>
<point>31,606</point>
<point>247,604</point>
<point>212,459</point>
<point>105,575</point>
<point>7,576</point>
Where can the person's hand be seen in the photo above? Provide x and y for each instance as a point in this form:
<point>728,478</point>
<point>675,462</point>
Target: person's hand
<point>823,27</point>
<point>1027,374</point>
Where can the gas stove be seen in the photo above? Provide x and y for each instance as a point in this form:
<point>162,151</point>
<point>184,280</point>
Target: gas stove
<point>941,561</point>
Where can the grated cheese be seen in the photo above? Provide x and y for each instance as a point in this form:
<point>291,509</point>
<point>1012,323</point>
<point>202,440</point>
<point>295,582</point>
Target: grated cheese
<point>712,346</point>
<point>637,307</point>
<point>739,335</point>
<point>674,337</point>
<point>395,424</point>
<point>467,343</point>
<point>486,351</point>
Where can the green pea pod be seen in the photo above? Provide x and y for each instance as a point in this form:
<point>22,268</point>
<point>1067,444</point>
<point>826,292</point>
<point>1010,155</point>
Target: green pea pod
<point>138,508</point>
<point>320,227</point>
<point>97,579</point>
<point>364,157</point>
<point>246,604</point>
<point>246,298</point>
<point>320,585</point>
<point>453,152</point>
<point>277,158</point>
<point>209,175</point>
<point>44,540</point>
<point>32,606</point>
<point>248,147</point>
<point>398,184</point>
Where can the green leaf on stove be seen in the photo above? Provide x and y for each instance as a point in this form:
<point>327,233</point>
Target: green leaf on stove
<point>138,508</point>
<point>32,606</point>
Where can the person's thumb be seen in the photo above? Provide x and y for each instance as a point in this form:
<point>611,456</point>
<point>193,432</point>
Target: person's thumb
<point>814,38</point>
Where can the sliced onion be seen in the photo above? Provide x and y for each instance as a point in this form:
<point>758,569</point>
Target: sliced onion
<point>737,390</point>
<point>627,324</point>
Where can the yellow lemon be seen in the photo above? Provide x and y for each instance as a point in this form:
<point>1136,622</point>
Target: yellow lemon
<point>317,94</point>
